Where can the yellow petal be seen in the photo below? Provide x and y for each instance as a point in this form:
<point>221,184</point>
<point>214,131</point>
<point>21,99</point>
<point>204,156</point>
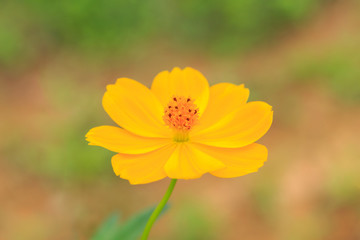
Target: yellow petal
<point>240,128</point>
<point>142,168</point>
<point>187,83</point>
<point>119,140</point>
<point>187,162</point>
<point>224,99</point>
<point>238,161</point>
<point>134,107</point>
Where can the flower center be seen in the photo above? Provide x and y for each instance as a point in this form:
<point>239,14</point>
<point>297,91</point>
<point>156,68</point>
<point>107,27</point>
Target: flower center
<point>181,114</point>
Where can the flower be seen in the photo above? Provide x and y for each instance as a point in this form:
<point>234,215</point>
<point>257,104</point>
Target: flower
<point>181,128</point>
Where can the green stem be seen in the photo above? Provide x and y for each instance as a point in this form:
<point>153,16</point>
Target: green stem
<point>158,210</point>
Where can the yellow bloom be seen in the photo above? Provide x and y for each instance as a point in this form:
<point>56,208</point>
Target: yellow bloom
<point>181,128</point>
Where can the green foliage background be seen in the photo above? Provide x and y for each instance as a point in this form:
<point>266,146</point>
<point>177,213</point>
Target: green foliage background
<point>32,28</point>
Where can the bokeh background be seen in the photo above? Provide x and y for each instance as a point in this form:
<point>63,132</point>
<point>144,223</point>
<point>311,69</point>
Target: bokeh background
<point>301,56</point>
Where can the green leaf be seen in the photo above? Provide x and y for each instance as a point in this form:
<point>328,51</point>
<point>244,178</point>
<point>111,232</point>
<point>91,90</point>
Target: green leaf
<point>129,230</point>
<point>108,228</point>
<point>133,228</point>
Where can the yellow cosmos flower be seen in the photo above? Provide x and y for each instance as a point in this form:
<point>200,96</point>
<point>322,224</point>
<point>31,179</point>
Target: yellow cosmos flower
<point>181,128</point>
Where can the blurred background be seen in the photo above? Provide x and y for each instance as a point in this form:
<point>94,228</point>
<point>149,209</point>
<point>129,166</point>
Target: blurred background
<point>300,56</point>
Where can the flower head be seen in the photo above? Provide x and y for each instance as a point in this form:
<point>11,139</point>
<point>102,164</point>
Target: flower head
<point>181,128</point>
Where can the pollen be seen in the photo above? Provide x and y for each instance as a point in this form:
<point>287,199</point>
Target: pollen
<point>181,113</point>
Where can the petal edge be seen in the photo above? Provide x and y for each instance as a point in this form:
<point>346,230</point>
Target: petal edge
<point>121,141</point>
<point>187,162</point>
<point>239,128</point>
<point>134,107</point>
<point>187,83</point>
<point>238,161</point>
<point>142,168</point>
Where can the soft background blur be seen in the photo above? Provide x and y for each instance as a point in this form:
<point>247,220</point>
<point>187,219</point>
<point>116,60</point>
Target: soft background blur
<point>301,56</point>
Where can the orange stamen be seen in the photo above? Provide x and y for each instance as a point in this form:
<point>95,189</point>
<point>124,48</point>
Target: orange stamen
<point>181,113</point>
